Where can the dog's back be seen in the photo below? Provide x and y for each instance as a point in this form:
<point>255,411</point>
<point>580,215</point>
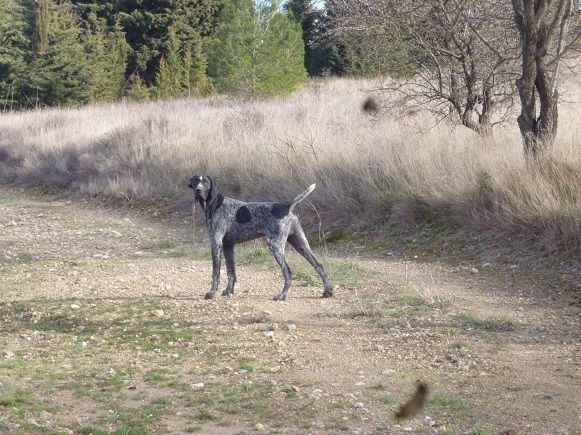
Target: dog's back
<point>242,221</point>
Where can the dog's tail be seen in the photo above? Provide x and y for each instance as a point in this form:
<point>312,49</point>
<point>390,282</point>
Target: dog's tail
<point>301,197</point>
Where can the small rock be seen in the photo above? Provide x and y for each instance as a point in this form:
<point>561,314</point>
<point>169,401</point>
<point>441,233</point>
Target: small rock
<point>388,372</point>
<point>273,327</point>
<point>159,313</point>
<point>110,372</point>
<point>270,334</point>
<point>259,427</point>
<point>316,394</point>
<point>8,354</point>
<point>359,405</point>
<point>75,306</point>
<point>474,271</point>
<point>197,386</point>
<point>291,326</point>
<point>175,355</point>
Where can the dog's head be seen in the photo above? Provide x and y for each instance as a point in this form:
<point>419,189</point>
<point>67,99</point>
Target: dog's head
<point>203,188</point>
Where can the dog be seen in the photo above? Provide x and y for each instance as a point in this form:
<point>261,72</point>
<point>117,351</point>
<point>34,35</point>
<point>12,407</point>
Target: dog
<point>230,221</point>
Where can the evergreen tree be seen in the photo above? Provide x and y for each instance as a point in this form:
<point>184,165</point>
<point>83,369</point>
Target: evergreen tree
<point>257,50</point>
<point>148,22</point>
<point>107,51</point>
<point>14,51</point>
<point>280,57</point>
<point>172,76</point>
<point>59,73</point>
<point>137,90</point>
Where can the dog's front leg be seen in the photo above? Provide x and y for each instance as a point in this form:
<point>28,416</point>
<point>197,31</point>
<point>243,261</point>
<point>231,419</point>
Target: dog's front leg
<point>216,260</point>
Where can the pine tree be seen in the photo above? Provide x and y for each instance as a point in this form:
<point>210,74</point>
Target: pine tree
<point>107,51</point>
<point>232,53</point>
<point>172,76</point>
<point>257,50</point>
<point>280,60</point>
<point>322,52</point>
<point>42,25</point>
<point>14,51</point>
<point>148,22</point>
<point>137,90</point>
<point>59,74</point>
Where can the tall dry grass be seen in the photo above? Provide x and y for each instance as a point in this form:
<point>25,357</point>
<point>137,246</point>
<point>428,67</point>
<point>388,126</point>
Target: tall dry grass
<point>367,169</point>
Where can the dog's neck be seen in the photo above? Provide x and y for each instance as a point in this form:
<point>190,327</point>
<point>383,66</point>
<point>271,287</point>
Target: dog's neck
<point>211,204</point>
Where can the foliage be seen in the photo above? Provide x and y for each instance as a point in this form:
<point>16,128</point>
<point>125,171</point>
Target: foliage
<point>137,90</point>
<point>312,20</point>
<point>14,51</point>
<point>74,52</point>
<point>59,70</point>
<point>257,50</point>
<point>107,50</point>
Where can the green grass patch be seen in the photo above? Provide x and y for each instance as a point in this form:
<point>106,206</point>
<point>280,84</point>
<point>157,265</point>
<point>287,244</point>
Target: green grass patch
<point>470,322</point>
<point>247,363</point>
<point>159,375</point>
<point>444,402</point>
<point>165,244</point>
<point>90,430</point>
<point>253,254</point>
<point>345,273</point>
<point>480,430</point>
<point>386,399</point>
<point>219,399</point>
<point>14,397</point>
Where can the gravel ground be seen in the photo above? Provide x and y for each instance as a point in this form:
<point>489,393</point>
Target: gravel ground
<point>104,328</point>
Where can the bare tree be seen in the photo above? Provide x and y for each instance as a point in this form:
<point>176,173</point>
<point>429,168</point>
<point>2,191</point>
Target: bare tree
<point>546,40</point>
<point>458,58</point>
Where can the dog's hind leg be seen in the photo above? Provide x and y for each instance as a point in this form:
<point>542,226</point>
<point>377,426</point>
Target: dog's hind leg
<point>299,242</point>
<point>230,269</point>
<point>277,248</point>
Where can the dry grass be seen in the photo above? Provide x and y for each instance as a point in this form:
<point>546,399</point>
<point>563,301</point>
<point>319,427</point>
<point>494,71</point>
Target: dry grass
<point>367,168</point>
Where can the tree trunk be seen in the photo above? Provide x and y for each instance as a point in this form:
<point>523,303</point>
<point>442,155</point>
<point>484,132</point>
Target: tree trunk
<point>534,85</point>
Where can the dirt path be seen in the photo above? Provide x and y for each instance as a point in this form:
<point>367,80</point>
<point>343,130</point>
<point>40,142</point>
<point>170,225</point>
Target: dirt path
<point>104,329</point>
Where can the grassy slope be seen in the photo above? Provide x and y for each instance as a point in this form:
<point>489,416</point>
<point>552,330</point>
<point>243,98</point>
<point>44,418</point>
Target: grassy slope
<point>369,170</point>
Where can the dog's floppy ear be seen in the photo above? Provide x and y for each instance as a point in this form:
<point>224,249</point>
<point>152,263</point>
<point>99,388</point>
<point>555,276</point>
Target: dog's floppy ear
<point>213,191</point>
<point>190,184</point>
<point>215,198</point>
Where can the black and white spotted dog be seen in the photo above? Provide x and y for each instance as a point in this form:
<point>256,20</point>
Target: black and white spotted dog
<point>230,221</point>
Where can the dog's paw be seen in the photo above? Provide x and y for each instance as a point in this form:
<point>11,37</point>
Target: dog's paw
<point>280,297</point>
<point>210,295</point>
<point>328,293</point>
